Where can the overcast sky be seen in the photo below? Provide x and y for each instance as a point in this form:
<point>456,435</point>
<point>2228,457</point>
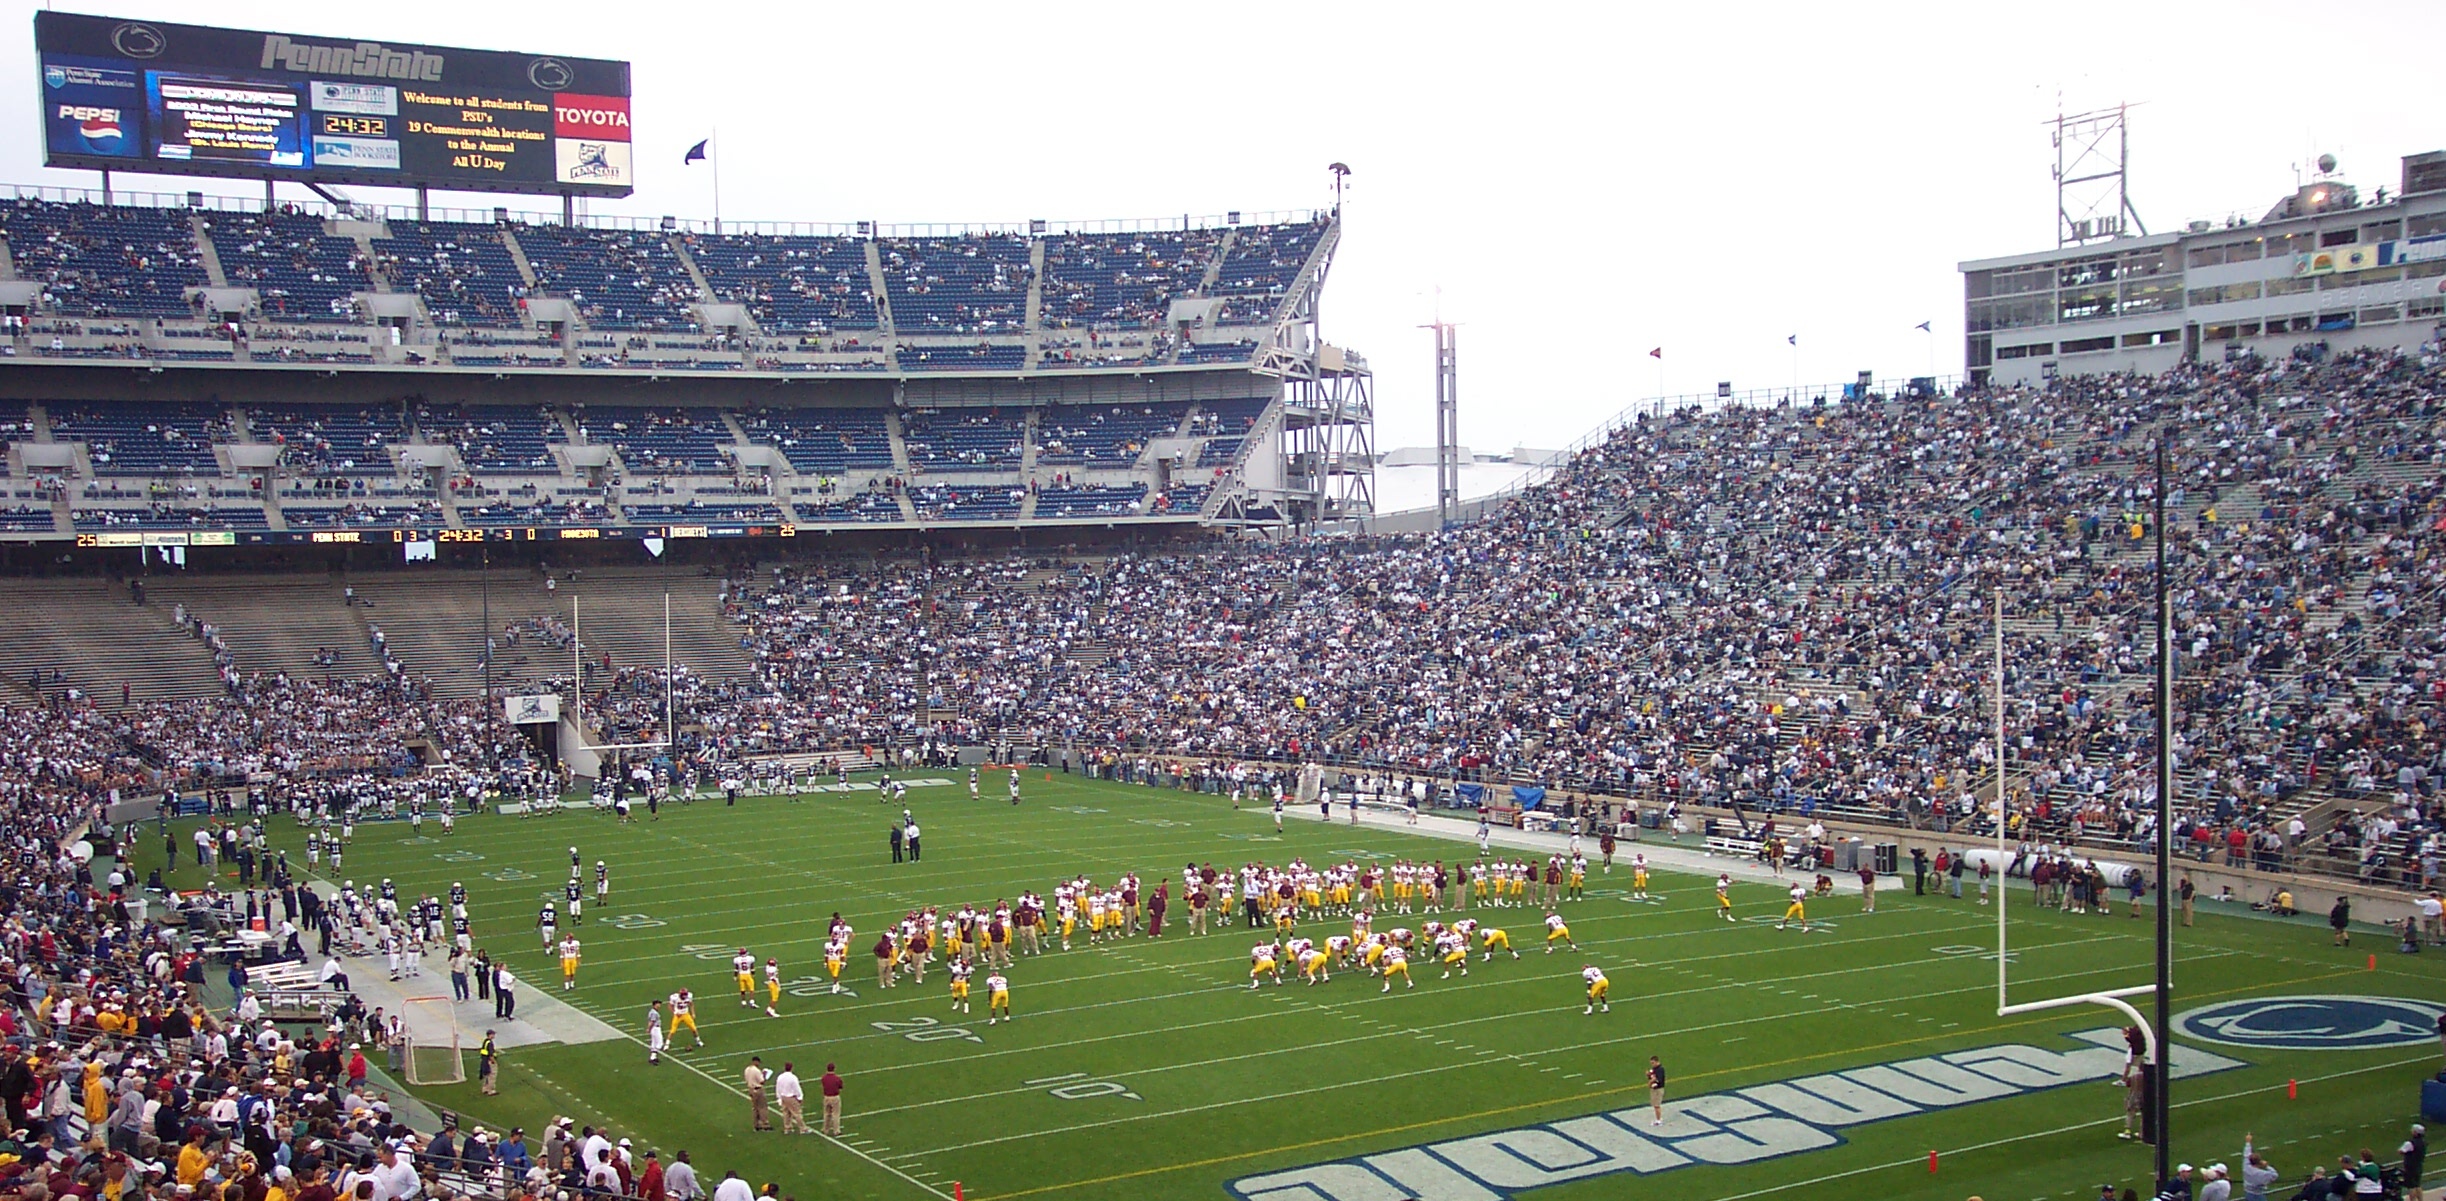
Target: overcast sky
<point>1583,182</point>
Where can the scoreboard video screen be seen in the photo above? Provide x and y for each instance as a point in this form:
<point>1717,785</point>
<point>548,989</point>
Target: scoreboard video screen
<point>145,96</point>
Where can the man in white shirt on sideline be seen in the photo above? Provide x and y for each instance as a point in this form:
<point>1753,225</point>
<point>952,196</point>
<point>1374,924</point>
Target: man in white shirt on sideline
<point>731,1189</point>
<point>793,1098</point>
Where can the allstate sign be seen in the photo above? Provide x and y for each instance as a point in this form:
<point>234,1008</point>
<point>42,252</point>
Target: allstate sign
<point>2318,1023</point>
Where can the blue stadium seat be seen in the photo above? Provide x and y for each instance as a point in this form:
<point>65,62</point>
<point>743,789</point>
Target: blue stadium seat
<point>116,261</point>
<point>1122,281</point>
<point>965,439</point>
<point>145,439</point>
<point>984,356</point>
<point>946,502</point>
<point>669,441</point>
<point>825,441</point>
<point>495,439</point>
<point>790,285</point>
<point>968,285</point>
<point>1103,501</point>
<point>299,273</point>
<point>619,279</point>
<point>1110,435</point>
<point>463,272</point>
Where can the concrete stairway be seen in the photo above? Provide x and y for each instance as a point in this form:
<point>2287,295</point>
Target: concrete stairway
<point>278,623</point>
<point>88,629</point>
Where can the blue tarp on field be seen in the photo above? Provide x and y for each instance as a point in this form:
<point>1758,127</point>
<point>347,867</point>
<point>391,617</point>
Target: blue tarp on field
<point>1527,796</point>
<point>1472,795</point>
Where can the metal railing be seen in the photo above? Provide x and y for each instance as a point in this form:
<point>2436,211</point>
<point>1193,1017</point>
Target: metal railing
<point>372,211</point>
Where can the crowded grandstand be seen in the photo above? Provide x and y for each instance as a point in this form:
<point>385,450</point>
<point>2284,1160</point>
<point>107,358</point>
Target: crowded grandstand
<point>625,380</point>
<point>431,541</point>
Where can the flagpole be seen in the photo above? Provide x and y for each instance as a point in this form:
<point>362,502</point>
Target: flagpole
<point>716,156</point>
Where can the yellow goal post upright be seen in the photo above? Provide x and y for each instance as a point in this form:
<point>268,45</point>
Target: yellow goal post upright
<point>2112,998</point>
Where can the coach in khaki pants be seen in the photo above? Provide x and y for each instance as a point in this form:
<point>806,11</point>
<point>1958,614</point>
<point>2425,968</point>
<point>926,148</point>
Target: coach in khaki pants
<point>831,1084</point>
<point>754,1078</point>
<point>793,1098</point>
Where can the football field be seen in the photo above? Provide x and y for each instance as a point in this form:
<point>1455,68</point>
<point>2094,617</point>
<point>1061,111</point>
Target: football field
<point>1830,1063</point>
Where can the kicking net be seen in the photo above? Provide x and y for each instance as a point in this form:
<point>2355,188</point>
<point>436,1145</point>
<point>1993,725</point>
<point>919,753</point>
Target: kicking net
<point>434,1054</point>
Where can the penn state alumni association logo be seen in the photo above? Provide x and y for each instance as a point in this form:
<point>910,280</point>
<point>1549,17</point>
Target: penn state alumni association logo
<point>2316,1023</point>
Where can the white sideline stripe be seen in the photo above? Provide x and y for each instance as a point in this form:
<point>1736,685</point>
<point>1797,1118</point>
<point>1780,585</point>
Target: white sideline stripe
<point>1499,1057</point>
<point>741,1093</point>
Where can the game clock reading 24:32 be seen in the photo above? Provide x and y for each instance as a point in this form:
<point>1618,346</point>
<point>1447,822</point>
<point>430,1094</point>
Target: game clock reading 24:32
<point>197,100</point>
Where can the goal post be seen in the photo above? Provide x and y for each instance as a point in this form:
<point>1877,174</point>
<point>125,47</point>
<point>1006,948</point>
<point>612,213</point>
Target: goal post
<point>1999,809</point>
<point>434,1055</point>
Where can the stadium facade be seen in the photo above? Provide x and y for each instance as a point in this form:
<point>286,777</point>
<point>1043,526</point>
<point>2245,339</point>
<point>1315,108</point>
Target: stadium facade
<point>2325,266</point>
<point>193,371</point>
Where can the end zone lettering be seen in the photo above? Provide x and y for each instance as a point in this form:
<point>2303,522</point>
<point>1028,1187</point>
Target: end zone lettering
<point>1742,1126</point>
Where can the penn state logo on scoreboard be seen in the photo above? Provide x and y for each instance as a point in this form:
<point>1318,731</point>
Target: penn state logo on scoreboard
<point>2314,1023</point>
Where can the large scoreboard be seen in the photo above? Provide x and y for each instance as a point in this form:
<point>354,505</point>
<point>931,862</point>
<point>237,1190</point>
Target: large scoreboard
<point>145,96</point>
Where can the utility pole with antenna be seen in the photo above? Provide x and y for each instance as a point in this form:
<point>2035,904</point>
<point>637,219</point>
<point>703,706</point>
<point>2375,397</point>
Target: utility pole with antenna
<point>2092,153</point>
<point>1447,415</point>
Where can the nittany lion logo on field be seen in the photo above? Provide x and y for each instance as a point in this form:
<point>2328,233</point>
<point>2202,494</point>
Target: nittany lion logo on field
<point>2322,1023</point>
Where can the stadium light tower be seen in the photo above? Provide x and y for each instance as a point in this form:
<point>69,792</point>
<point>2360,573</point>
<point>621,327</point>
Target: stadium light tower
<point>1447,420</point>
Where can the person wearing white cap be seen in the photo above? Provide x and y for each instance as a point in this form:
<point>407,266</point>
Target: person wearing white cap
<point>2415,1153</point>
<point>2216,1187</point>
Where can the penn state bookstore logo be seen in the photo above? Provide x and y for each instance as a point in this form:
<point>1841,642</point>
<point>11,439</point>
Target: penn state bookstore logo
<point>2315,1023</point>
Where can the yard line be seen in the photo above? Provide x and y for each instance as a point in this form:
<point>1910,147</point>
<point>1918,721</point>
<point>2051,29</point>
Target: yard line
<point>1499,1056</point>
<point>1709,931</point>
<point>1500,1111</point>
<point>1346,1003</point>
<point>737,1091</point>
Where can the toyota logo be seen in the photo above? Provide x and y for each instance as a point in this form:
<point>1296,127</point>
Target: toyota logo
<point>550,74</point>
<point>136,39</point>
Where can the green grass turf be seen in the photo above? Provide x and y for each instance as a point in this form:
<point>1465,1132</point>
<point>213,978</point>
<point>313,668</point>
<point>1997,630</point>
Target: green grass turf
<point>1227,1083</point>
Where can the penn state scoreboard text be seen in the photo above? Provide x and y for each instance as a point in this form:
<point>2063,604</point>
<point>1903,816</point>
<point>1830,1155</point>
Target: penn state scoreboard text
<point>149,96</point>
